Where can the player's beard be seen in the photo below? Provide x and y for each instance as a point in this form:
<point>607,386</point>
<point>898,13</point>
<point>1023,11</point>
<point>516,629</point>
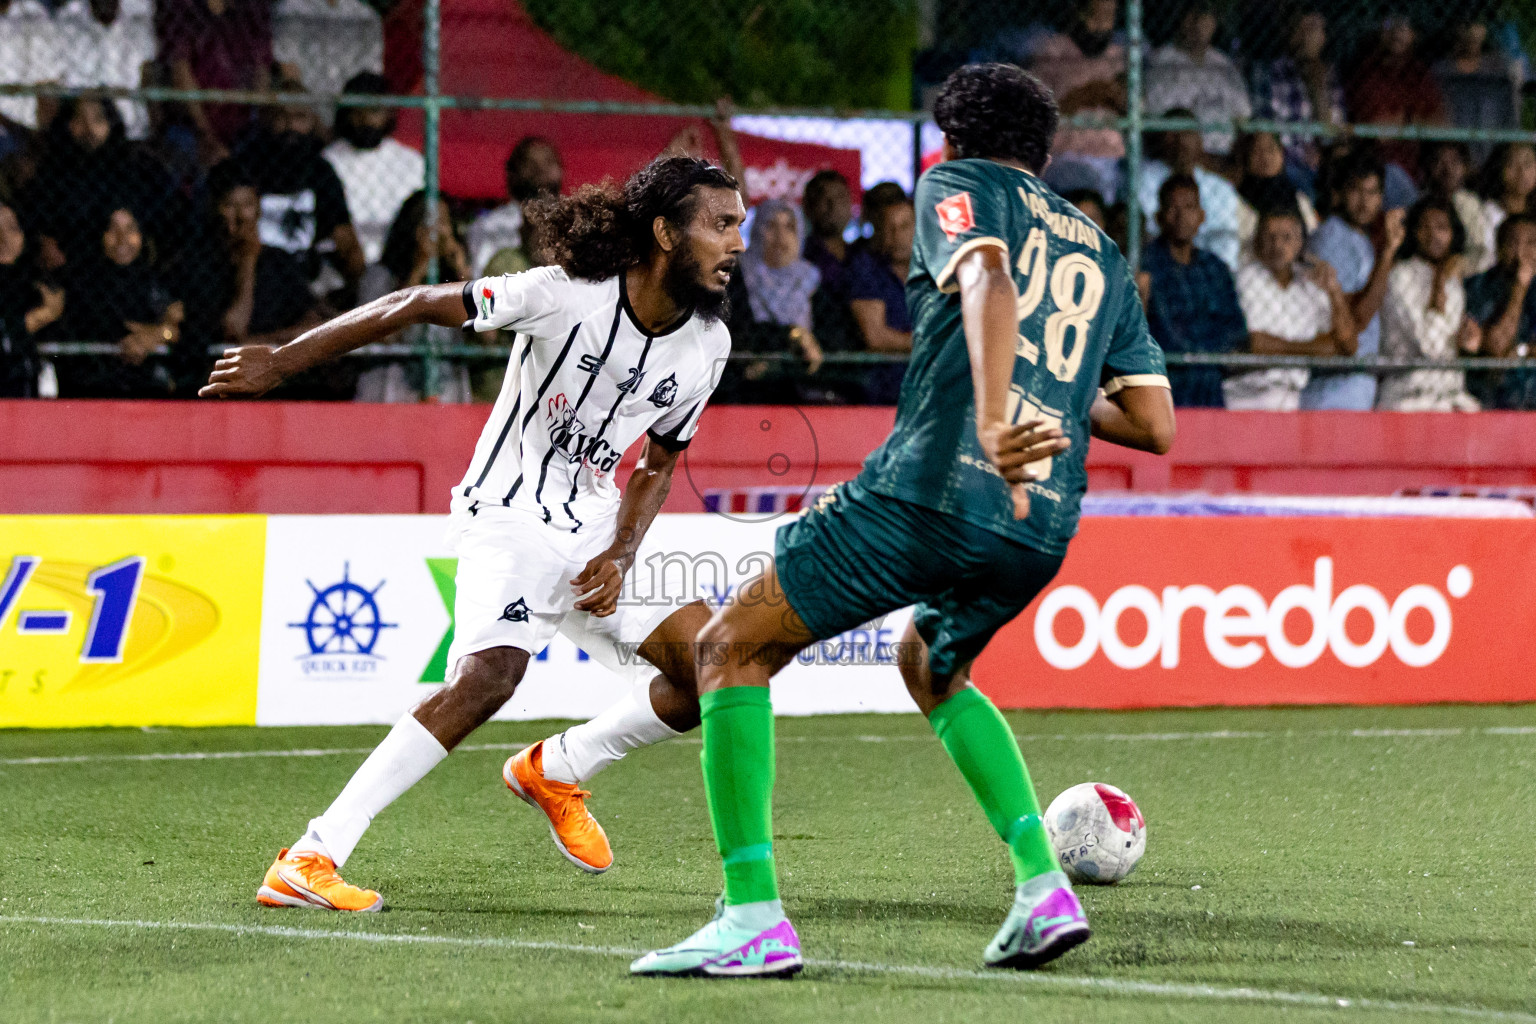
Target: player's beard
<point>685,286</point>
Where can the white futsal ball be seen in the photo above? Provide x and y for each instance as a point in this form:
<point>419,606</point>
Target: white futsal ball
<point>1098,832</point>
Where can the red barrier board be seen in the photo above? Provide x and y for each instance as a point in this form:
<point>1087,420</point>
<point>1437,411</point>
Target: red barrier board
<point>321,457</point>
<point>1151,612</point>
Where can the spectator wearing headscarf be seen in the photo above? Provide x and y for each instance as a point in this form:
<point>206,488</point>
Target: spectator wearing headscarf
<point>26,307</point>
<point>121,298</point>
<point>771,308</point>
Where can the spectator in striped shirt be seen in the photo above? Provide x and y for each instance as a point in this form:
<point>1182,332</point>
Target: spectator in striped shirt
<point>1301,86</point>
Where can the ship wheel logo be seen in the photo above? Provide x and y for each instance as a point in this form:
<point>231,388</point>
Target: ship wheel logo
<point>343,618</point>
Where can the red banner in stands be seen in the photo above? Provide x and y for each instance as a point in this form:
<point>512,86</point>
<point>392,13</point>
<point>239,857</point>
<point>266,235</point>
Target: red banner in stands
<point>1188,612</point>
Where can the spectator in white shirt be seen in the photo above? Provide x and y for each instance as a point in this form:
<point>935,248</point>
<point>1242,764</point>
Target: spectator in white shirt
<point>1293,308</point>
<point>28,56</point>
<point>534,169</point>
<point>1445,167</point>
<point>1181,153</point>
<point>108,42</point>
<point>377,172</point>
<point>1508,186</point>
<point>1189,72</point>
<point>1424,315</point>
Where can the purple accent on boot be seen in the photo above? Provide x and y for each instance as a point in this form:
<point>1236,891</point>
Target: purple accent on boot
<point>775,951</point>
<point>1060,910</point>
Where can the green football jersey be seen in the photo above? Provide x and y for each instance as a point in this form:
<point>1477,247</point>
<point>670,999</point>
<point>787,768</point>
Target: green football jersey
<point>1081,328</point>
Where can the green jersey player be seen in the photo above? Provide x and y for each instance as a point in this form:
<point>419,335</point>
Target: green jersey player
<point>1029,338</point>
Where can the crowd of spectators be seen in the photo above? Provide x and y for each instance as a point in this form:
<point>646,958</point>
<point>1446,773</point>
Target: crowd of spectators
<point>164,228</point>
<point>1313,244</point>
<point>200,225</point>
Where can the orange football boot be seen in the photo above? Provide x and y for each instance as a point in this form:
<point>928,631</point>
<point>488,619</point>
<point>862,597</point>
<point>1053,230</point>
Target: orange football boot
<point>575,831</point>
<point>310,880</point>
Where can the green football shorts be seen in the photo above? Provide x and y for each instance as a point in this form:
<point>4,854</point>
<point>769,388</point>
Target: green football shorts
<point>856,555</point>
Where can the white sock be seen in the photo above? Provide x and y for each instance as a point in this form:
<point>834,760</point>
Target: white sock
<point>581,752</point>
<point>397,764</point>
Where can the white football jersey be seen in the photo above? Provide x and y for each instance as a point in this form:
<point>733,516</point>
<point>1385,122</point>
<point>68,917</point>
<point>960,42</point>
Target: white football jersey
<point>584,381</point>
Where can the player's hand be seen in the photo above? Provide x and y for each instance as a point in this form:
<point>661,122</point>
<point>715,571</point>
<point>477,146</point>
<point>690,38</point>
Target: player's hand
<point>247,370</point>
<point>598,585</point>
<point>1014,447</point>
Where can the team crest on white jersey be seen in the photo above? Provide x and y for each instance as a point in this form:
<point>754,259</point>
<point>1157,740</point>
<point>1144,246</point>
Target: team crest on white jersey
<point>665,392</point>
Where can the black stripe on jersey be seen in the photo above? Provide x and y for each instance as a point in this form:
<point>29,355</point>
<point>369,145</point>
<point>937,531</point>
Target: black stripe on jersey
<point>613,332</point>
<point>533,406</point>
<point>612,411</point>
<point>572,515</point>
<point>671,442</point>
<point>511,418</point>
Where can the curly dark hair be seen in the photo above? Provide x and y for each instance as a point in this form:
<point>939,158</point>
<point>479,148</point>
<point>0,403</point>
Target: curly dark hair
<point>600,230</point>
<point>999,111</point>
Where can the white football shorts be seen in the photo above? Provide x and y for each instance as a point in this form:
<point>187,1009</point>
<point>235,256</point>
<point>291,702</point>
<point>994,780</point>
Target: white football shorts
<point>513,589</point>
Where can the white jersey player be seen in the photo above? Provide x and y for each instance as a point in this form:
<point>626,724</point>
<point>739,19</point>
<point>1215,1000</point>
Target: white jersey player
<point>621,340</point>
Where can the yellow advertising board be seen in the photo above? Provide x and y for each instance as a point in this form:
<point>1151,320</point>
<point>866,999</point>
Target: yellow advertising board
<point>130,620</point>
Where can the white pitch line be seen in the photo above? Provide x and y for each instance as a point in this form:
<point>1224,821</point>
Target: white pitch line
<point>1060,737</point>
<point>1064,982</point>
<point>225,755</point>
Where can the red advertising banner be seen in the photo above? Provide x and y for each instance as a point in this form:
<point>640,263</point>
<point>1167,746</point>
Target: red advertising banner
<point>1158,612</point>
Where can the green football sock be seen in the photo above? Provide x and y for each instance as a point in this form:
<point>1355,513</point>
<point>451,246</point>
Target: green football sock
<point>983,748</point>
<point>738,782</point>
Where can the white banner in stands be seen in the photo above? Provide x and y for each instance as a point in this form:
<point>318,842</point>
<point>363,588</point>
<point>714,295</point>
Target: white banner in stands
<point>357,616</point>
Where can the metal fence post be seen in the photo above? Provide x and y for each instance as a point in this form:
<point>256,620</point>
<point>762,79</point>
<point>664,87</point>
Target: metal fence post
<point>1134,114</point>
<point>431,58</point>
<point>917,154</point>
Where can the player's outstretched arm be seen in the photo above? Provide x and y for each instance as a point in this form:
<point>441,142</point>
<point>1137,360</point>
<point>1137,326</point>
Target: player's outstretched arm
<point>257,369</point>
<point>1140,418</point>
<point>988,309</point>
<point>600,583</point>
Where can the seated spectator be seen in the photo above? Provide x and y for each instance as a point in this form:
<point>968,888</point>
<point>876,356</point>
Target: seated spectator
<point>108,43</point>
<point>88,169</point>
<point>828,204</point>
<point>125,301</point>
<point>1190,299</point>
<point>772,312</point>
<point>1301,86</point>
<point>1264,185</point>
<point>303,205</point>
<point>1424,315</point>
<point>1360,242</point>
<point>1085,68</point>
<point>1477,82</point>
<point>877,293</point>
<point>1508,186</point>
<point>248,293</point>
<point>1501,302</point>
<point>1446,166</point>
<point>1391,85</point>
<point>377,173</point>
<point>216,44</point>
<point>27,306</point>
<point>407,252</point>
<point>1190,74</point>
<point>1091,203</point>
<point>1293,308</point>
<point>1181,153</point>
<point>533,169</point>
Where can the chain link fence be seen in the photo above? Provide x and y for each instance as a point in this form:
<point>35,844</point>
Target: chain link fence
<point>179,175</point>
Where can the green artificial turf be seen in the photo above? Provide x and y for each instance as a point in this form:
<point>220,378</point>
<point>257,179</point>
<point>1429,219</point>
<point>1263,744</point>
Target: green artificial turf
<point>1289,855</point>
